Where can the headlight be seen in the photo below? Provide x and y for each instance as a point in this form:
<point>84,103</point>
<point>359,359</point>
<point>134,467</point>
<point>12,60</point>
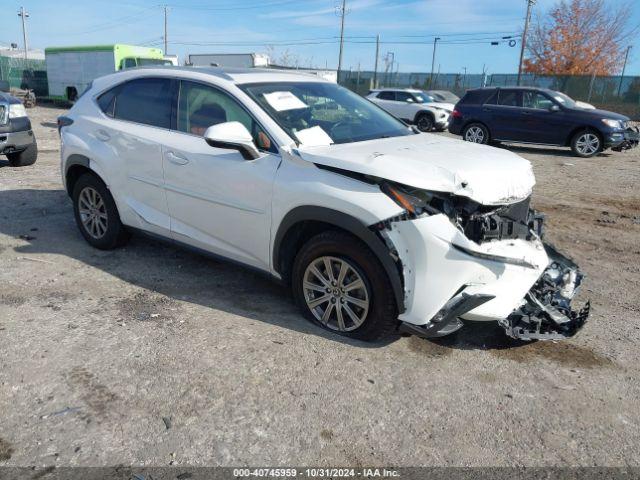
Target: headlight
<point>612,123</point>
<point>414,201</point>
<point>17,110</point>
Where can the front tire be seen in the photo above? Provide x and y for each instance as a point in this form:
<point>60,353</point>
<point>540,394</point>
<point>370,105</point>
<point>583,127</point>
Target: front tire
<point>586,144</point>
<point>26,157</point>
<point>476,133</point>
<point>97,215</point>
<point>425,122</point>
<point>340,285</point>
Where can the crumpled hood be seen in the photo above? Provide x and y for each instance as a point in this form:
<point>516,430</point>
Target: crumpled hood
<point>491,176</point>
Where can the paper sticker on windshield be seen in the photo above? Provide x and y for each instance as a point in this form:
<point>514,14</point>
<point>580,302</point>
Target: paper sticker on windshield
<point>314,137</point>
<point>282,101</point>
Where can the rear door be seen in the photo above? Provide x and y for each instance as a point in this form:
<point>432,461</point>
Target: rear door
<point>387,100</point>
<point>503,114</point>
<point>140,114</point>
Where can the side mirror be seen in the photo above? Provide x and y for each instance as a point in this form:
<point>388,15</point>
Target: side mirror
<point>554,108</point>
<point>232,136</point>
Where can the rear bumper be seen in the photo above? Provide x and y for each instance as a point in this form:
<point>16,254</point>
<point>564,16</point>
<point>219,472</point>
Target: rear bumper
<point>15,141</point>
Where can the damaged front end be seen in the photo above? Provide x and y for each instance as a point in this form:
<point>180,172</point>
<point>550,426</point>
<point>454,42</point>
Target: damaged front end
<point>546,313</point>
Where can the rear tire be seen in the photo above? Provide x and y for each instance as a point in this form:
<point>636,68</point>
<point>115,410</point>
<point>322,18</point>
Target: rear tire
<point>97,215</point>
<point>25,157</point>
<point>586,144</point>
<point>357,292</point>
<point>476,133</point>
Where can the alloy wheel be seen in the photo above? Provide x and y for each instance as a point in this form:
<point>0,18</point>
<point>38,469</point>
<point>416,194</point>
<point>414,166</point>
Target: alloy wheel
<point>588,144</point>
<point>475,135</point>
<point>93,212</point>
<point>336,293</point>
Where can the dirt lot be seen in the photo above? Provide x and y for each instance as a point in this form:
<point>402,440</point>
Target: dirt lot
<point>149,355</point>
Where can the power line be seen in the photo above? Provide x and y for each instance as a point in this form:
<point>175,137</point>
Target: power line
<point>230,9</point>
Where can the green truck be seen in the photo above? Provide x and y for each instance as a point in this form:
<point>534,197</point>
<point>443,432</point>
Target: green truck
<point>71,69</point>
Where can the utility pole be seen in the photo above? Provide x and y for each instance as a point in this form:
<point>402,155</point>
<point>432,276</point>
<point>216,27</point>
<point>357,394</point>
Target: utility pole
<point>375,69</point>
<point>23,14</point>
<point>343,12</point>
<point>165,30</point>
<point>433,60</point>
<point>624,67</point>
<point>464,78</point>
<point>530,4</point>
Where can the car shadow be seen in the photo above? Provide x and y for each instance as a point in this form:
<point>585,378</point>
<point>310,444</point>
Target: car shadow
<point>479,336</point>
<point>44,219</point>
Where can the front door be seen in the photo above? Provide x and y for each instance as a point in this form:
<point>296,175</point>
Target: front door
<point>218,201</point>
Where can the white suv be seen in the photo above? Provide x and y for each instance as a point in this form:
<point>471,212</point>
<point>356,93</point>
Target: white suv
<point>414,107</point>
<point>376,227</point>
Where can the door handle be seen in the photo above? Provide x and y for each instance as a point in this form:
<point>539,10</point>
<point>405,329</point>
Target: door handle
<point>177,159</point>
<point>525,113</point>
<point>103,135</point>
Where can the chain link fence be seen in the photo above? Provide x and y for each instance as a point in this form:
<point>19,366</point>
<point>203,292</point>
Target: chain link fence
<point>619,94</point>
<point>27,74</point>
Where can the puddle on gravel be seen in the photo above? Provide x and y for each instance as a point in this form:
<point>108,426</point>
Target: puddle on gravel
<point>11,300</point>
<point>491,338</point>
<point>144,306</point>
<point>6,450</point>
<point>564,354</point>
<point>427,348</point>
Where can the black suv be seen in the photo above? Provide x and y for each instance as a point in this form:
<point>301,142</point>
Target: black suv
<point>537,115</point>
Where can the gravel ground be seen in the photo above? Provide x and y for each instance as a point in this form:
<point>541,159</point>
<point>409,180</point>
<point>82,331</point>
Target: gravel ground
<point>149,354</point>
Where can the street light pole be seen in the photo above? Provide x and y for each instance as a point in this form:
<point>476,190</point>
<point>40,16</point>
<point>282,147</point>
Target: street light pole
<point>624,67</point>
<point>165,30</point>
<point>23,14</point>
<point>523,41</point>
<point>433,60</point>
<point>375,69</point>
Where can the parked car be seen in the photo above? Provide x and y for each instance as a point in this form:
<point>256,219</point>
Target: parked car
<point>540,116</point>
<point>412,107</point>
<point>375,227</point>
<point>17,140</point>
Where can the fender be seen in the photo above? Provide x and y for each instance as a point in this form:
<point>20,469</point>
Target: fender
<point>349,224</point>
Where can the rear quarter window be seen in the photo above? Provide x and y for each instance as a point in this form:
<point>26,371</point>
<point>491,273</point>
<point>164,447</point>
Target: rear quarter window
<point>476,97</point>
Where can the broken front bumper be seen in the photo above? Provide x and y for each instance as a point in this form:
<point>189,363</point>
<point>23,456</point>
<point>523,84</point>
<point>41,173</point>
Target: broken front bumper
<point>546,313</point>
<point>524,285</point>
<point>626,140</point>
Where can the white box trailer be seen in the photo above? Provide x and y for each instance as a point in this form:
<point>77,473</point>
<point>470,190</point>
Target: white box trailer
<point>232,60</point>
<point>70,70</point>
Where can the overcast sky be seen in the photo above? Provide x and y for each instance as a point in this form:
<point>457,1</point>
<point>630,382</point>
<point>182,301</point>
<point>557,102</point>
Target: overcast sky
<point>308,29</point>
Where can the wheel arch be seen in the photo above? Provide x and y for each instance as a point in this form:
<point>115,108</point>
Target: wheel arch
<point>420,113</point>
<point>75,166</point>
<point>582,128</point>
<point>304,222</point>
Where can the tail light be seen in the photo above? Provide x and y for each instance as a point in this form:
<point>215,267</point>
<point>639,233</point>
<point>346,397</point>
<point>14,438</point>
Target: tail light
<point>456,114</point>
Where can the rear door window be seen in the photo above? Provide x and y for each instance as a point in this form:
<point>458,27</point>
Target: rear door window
<point>387,96</point>
<point>510,98</point>
<point>146,100</point>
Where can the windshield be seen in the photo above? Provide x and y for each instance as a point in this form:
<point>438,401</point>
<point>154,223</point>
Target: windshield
<point>324,113</point>
<point>565,100</point>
